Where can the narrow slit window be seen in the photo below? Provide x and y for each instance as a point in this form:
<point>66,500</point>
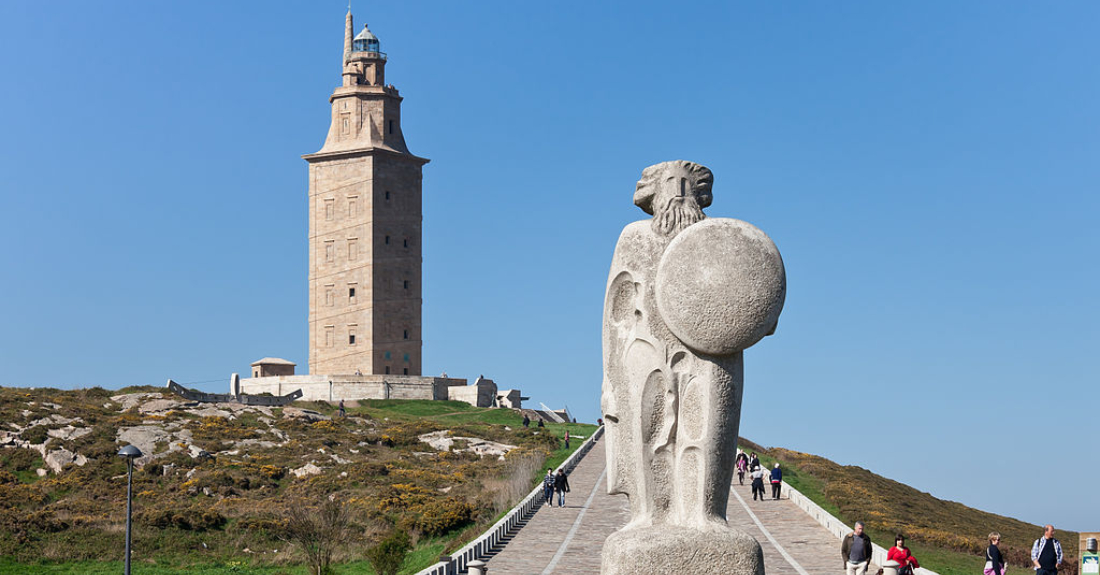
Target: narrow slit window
<point>406,334</point>
<point>391,126</point>
<point>406,371</point>
<point>387,240</point>
<point>387,369</point>
<point>406,284</point>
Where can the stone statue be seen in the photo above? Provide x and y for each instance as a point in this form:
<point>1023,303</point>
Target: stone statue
<point>685,296</point>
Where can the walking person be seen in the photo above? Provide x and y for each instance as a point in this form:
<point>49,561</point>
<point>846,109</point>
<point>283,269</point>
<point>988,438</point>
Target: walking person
<point>757,483</point>
<point>900,553</point>
<point>1046,553</point>
<point>561,485</point>
<point>754,461</point>
<point>526,420</point>
<point>548,483</point>
<point>856,551</point>
<point>341,412</point>
<point>567,440</point>
<point>742,465</point>
<point>994,563</point>
<point>777,480</point>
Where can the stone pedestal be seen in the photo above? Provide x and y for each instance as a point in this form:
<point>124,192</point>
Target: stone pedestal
<point>676,550</point>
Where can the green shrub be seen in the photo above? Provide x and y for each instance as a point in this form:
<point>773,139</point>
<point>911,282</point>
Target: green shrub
<point>36,434</point>
<point>189,519</point>
<point>389,554</point>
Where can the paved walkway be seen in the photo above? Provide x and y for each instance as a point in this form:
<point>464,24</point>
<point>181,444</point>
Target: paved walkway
<point>568,541</point>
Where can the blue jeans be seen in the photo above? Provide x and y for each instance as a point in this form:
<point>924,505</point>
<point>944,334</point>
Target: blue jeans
<point>561,499</point>
<point>548,495</point>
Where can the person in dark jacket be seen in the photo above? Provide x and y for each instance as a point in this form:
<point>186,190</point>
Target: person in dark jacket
<point>777,481</point>
<point>526,420</point>
<point>856,551</point>
<point>1046,553</point>
<point>541,424</point>
<point>548,486</point>
<point>561,485</point>
<point>994,563</point>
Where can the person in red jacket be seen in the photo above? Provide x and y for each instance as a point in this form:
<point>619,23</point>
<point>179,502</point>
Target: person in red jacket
<point>900,553</point>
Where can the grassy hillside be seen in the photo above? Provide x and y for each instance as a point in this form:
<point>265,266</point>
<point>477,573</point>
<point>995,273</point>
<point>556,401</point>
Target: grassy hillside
<point>216,495</point>
<point>945,536</point>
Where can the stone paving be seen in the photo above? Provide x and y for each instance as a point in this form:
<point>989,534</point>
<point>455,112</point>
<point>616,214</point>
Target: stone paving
<point>568,540</point>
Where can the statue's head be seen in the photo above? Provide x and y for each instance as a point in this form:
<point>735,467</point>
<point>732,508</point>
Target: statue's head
<point>674,193</point>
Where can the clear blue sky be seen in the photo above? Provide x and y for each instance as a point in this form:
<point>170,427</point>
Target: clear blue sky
<point>929,171</point>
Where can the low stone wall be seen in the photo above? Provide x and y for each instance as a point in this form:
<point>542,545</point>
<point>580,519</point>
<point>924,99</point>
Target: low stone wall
<point>838,527</point>
<point>353,387</point>
<point>481,546</point>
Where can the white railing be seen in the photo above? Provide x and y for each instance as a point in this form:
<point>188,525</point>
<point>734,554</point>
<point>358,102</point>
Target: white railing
<point>838,527</point>
<point>480,547</point>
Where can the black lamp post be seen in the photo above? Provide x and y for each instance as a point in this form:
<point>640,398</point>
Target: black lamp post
<point>130,453</point>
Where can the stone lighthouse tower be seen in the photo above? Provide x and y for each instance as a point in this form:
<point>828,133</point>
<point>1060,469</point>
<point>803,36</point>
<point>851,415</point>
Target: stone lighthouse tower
<point>364,227</point>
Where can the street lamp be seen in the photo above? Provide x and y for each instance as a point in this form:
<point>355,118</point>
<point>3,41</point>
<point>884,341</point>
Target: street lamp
<point>130,453</point>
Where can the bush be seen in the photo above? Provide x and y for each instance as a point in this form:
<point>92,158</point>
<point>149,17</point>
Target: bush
<point>189,519</point>
<point>388,556</point>
<point>36,434</point>
<point>318,532</point>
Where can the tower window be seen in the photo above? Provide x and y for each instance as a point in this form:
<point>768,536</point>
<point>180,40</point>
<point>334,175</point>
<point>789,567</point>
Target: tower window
<point>406,242</point>
<point>391,126</point>
<point>387,240</point>
<point>330,295</point>
<point>386,355</point>
<point>353,205</point>
<point>351,339</point>
<point>330,331</point>
<point>406,371</point>
<point>352,328</point>
<point>406,334</point>
<point>353,249</point>
<point>330,250</point>
<point>387,195</point>
<point>406,357</point>
<point>351,293</point>
<point>406,284</point>
<point>330,209</point>
<point>387,369</point>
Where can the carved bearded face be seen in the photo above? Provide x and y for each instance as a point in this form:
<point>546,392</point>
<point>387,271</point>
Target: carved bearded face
<point>675,193</point>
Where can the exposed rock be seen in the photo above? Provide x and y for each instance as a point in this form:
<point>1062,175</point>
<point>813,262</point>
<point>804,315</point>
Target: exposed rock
<point>444,441</point>
<point>56,460</point>
<point>41,472</point>
<point>69,432</point>
<point>307,469</point>
<point>145,438</point>
<point>55,419</point>
<point>159,405</point>
<point>211,411</point>
<point>306,414</point>
<point>128,400</point>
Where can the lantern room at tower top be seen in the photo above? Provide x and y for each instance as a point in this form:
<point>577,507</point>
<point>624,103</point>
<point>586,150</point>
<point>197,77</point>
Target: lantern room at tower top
<point>367,42</point>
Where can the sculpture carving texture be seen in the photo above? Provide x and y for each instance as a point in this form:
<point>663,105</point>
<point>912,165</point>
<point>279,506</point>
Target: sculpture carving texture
<point>685,296</point>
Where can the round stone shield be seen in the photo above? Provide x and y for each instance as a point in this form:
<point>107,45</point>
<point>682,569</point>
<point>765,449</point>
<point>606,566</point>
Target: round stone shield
<point>720,286</point>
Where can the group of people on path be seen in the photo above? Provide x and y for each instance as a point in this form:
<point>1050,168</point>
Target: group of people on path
<point>1046,554</point>
<point>757,475</point>
<point>555,483</point>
